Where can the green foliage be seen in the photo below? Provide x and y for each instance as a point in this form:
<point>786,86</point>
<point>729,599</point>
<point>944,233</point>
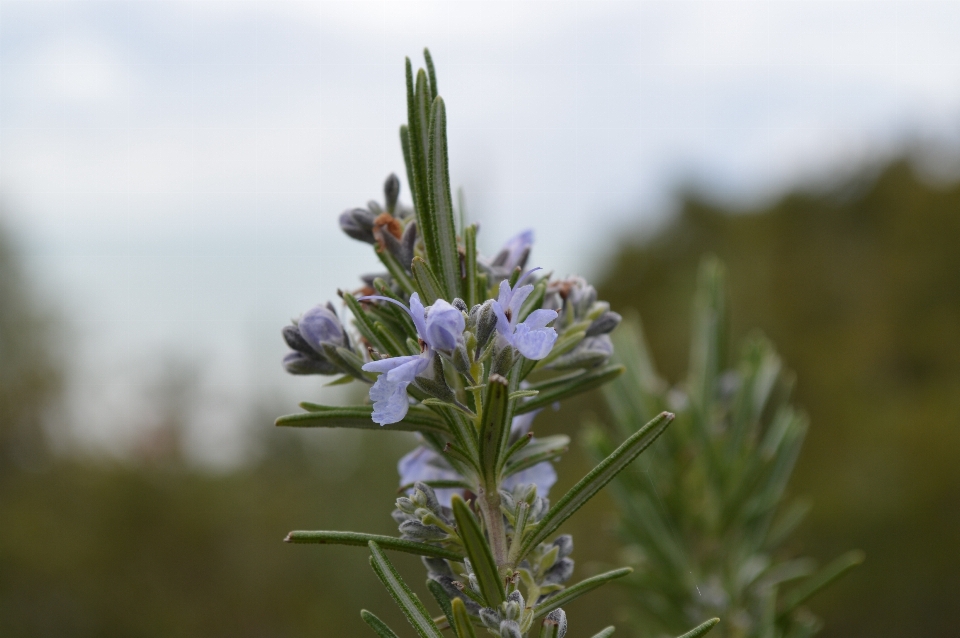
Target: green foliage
<point>701,509</point>
<point>30,373</point>
<point>857,283</point>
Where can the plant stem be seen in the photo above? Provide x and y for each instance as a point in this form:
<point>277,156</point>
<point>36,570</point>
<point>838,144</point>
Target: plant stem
<point>489,502</point>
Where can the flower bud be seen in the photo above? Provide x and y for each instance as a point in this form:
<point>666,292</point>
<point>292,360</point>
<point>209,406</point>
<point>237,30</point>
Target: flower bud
<point>604,324</point>
<point>560,573</point>
<point>418,531</point>
<point>565,543</point>
<point>391,192</point>
<point>502,362</point>
<point>490,618</point>
<point>436,566</point>
<point>559,617</point>
<point>589,353</point>
<point>320,325</point>
<point>358,224</point>
<point>298,363</point>
<point>486,324</point>
<point>510,629</point>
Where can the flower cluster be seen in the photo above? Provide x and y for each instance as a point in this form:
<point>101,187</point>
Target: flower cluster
<point>465,351</point>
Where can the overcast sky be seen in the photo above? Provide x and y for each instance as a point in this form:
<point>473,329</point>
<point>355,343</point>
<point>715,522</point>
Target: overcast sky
<point>174,170</point>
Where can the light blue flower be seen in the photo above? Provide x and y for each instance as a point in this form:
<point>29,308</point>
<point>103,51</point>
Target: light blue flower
<point>440,327</point>
<point>425,464</point>
<point>531,337</point>
<point>515,252</point>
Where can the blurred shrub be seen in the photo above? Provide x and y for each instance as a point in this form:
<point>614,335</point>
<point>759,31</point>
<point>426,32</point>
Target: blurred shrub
<point>859,286</point>
<point>29,376</point>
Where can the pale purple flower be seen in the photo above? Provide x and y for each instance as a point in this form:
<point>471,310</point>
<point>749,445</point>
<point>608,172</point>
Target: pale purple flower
<point>440,327</point>
<point>531,337</point>
<point>424,464</point>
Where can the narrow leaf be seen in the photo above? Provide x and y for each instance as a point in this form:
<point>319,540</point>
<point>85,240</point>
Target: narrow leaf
<point>701,629</point>
<point>590,484</point>
<point>442,252</point>
<point>360,539</point>
<point>478,551</point>
<point>824,577</point>
<point>606,633</point>
<point>541,450</point>
<point>360,417</point>
<point>564,596</point>
<point>377,625</point>
<point>442,598</point>
<point>427,283</point>
<point>408,602</point>
<point>414,134</point>
<point>494,428</point>
<point>461,620</point>
<point>572,385</point>
<point>432,73</point>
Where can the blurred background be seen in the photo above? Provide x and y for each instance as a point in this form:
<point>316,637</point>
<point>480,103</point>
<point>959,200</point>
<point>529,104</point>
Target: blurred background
<point>170,178</point>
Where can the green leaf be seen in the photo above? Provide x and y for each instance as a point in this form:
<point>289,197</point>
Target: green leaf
<point>344,380</point>
<point>368,329</point>
<point>494,428</point>
<point>478,551</point>
<point>471,294</point>
<point>377,625</point>
<point>432,73</point>
<point>606,633</point>
<point>564,596</point>
<point>427,283</point>
<point>568,386</point>
<point>541,450</point>
<point>440,595</point>
<point>439,229</point>
<point>461,619</point>
<point>408,602</point>
<point>701,629</point>
<point>818,581</point>
<point>414,149</point>
<point>549,629</point>
<point>590,484</point>
<point>396,270</point>
<point>360,417</point>
<point>360,539</point>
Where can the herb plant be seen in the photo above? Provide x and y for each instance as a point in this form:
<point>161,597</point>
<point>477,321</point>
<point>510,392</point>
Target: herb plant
<point>705,513</point>
<point>464,351</point>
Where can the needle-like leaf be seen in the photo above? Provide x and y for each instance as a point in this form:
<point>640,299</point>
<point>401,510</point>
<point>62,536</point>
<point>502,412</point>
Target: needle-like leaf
<point>553,391</point>
<point>478,551</point>
<point>377,625</point>
<point>701,629</point>
<point>461,620</point>
<point>360,539</point>
<point>818,581</point>
<point>408,602</point>
<point>494,428</point>
<point>360,417</point>
<point>439,229</point>
<point>590,484</point>
<point>570,593</point>
<point>442,598</point>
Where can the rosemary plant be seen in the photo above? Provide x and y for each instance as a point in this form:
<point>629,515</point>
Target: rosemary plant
<point>704,513</point>
<point>464,351</point>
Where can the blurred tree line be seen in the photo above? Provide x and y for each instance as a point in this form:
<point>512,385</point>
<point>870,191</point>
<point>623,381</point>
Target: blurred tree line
<point>858,286</point>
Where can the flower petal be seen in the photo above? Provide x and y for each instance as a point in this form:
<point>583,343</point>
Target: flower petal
<point>534,344</point>
<point>538,319</point>
<point>444,326</point>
